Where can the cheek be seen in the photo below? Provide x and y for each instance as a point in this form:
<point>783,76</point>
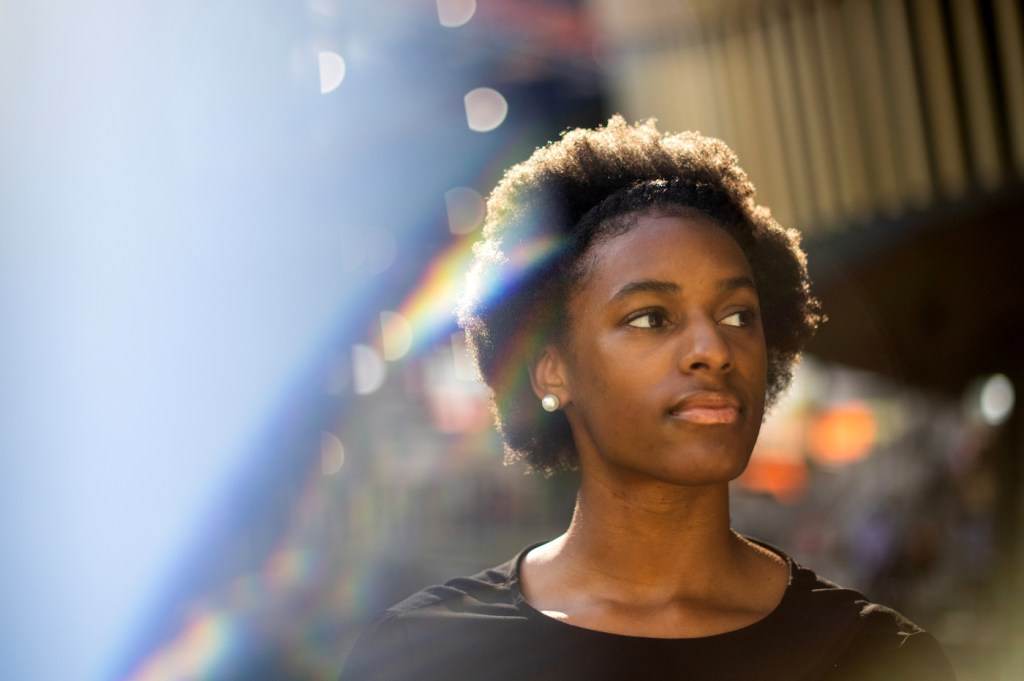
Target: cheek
<point>761,379</point>
<point>602,389</point>
<point>609,388</point>
<point>593,366</point>
<point>762,364</point>
<point>756,352</point>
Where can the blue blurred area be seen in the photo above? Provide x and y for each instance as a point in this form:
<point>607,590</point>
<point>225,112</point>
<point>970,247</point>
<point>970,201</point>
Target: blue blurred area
<point>189,230</point>
<point>163,277</point>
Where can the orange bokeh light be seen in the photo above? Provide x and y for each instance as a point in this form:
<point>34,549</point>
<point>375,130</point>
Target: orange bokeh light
<point>843,434</point>
<point>784,477</point>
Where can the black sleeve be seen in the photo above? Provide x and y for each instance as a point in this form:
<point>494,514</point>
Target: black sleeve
<point>378,654</point>
<point>917,657</point>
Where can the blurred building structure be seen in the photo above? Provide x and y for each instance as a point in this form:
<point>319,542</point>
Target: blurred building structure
<point>842,111</point>
<point>891,133</point>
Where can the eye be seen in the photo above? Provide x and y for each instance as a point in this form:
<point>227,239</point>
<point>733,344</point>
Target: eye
<point>739,319</point>
<point>647,319</point>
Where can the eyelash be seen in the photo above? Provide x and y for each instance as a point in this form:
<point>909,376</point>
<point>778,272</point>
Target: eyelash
<point>653,313</point>
<point>746,318</point>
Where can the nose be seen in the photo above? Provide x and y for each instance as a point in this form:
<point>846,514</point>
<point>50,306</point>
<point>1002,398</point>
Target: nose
<point>704,348</point>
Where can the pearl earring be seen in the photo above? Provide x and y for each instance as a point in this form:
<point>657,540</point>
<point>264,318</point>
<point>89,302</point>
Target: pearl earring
<point>550,402</point>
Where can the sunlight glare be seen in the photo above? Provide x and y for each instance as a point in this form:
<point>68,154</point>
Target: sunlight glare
<point>465,368</point>
<point>338,370</point>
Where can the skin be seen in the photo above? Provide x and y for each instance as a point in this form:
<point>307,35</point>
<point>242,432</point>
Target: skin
<point>662,378</point>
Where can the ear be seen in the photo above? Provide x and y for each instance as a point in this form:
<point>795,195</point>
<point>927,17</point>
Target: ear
<point>549,375</point>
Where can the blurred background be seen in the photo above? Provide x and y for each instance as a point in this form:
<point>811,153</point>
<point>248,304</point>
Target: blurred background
<point>236,416</point>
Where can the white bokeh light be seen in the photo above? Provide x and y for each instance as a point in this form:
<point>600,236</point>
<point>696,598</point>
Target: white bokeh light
<point>997,399</point>
<point>332,453</point>
<point>368,369</point>
<point>381,250</point>
<point>485,109</point>
<point>396,335</point>
<point>465,209</point>
<point>452,13</point>
<point>332,71</point>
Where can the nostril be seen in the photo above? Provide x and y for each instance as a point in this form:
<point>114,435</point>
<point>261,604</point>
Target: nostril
<point>705,364</point>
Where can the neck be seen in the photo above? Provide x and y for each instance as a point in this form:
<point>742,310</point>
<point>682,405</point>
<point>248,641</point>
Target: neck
<point>649,535</point>
<point>653,559</point>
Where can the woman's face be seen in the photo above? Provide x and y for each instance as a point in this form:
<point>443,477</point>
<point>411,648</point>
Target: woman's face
<point>666,364</point>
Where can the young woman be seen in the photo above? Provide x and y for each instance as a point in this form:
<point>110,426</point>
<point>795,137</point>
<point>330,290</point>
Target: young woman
<point>633,312</point>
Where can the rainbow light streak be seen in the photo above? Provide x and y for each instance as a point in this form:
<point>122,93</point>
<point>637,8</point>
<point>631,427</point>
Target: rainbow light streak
<point>286,569</point>
<point>519,262</point>
<point>276,605</point>
<point>430,306</point>
<point>202,646</point>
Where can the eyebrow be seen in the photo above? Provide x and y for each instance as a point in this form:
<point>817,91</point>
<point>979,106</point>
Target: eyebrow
<point>735,283</point>
<point>661,286</point>
<point>646,286</point>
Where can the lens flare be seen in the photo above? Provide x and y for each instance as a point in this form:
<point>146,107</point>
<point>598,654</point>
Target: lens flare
<point>198,651</point>
<point>332,71</point>
<point>396,335</point>
<point>430,306</point>
<point>465,209</point>
<point>454,13</point>
<point>368,369</point>
<point>486,109</point>
<point>332,453</point>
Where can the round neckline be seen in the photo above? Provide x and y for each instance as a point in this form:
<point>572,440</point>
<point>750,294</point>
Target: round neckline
<point>533,613</point>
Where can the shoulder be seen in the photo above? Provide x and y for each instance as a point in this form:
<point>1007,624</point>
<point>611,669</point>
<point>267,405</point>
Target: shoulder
<point>872,642</point>
<point>490,592</point>
<point>437,624</point>
<point>890,646</point>
<point>838,634</point>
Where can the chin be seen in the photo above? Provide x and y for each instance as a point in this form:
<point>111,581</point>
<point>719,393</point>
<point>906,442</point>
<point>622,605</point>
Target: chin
<point>703,470</point>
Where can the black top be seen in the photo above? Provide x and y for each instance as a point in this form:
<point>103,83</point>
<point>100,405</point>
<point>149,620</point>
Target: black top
<point>481,628</point>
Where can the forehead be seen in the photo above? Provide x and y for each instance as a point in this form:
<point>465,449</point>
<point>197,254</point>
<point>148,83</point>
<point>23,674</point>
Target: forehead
<point>674,247</point>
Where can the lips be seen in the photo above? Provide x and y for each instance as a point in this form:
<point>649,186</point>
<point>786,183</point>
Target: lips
<point>707,408</point>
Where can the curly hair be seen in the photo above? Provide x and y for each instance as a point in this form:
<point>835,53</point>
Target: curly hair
<point>544,217</point>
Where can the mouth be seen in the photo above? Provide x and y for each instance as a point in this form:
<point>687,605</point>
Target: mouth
<point>707,408</point>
